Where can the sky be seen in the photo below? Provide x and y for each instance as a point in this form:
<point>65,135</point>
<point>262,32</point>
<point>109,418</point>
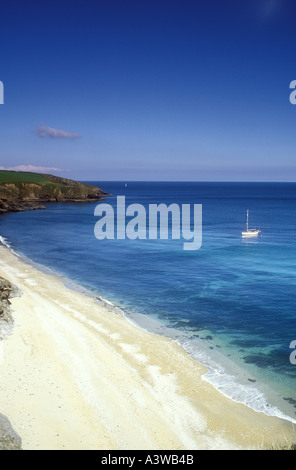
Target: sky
<point>191,90</point>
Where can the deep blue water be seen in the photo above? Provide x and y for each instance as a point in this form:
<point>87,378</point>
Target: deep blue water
<point>231,303</point>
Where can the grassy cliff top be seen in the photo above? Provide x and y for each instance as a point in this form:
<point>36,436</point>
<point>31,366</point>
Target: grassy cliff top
<point>22,177</point>
<point>25,178</point>
<point>14,177</point>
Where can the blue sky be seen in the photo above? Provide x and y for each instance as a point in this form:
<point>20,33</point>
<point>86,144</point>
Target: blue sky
<point>149,90</point>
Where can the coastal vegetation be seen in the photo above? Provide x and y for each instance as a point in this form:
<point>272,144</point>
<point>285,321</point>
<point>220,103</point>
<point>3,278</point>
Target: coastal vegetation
<point>26,190</point>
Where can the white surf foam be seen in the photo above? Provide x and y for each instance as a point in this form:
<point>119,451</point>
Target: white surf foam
<point>5,242</point>
<point>233,386</point>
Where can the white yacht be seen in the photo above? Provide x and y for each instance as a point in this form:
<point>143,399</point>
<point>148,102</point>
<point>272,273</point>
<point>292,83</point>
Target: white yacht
<point>250,232</point>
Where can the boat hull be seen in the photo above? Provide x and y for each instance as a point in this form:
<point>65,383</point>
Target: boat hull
<point>250,233</point>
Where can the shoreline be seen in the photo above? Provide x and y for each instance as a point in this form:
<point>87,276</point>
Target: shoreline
<point>212,366</point>
<point>77,375</point>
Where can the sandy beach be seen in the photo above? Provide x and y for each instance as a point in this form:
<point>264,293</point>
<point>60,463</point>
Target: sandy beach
<point>75,375</point>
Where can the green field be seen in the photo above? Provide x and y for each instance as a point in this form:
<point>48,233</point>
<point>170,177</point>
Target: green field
<point>22,177</point>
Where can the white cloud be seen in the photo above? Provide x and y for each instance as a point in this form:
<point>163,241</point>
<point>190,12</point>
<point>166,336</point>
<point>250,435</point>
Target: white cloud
<point>46,132</point>
<point>34,169</point>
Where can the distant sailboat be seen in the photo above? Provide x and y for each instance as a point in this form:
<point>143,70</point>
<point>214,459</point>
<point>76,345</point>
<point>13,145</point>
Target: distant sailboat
<point>250,232</point>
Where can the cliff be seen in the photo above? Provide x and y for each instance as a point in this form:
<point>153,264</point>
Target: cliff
<point>23,190</point>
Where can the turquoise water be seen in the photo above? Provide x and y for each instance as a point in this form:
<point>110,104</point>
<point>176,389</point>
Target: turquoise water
<point>231,303</point>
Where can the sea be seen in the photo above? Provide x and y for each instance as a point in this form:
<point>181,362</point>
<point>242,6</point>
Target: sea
<point>231,304</point>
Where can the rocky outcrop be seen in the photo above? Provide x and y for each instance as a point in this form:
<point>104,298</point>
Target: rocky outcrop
<point>9,439</point>
<point>7,291</point>
<point>6,320</point>
<point>18,206</point>
<point>21,191</point>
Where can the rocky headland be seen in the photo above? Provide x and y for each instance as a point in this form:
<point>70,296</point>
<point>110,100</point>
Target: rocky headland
<point>20,191</point>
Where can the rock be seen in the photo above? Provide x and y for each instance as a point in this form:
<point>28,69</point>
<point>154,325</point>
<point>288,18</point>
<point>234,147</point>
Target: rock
<point>7,290</point>
<point>18,206</point>
<point>6,320</point>
<point>9,439</point>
